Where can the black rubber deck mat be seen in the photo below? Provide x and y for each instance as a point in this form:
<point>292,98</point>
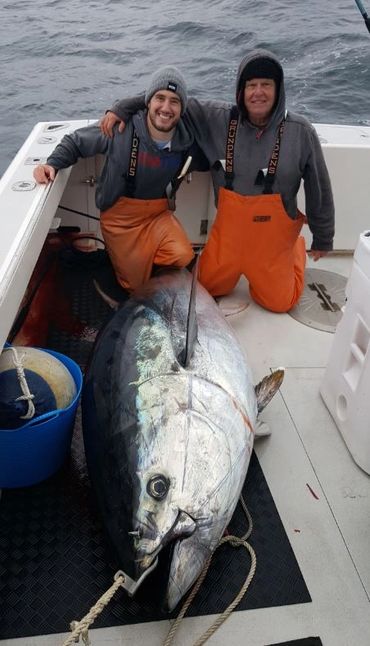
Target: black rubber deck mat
<point>308,641</point>
<point>55,562</point>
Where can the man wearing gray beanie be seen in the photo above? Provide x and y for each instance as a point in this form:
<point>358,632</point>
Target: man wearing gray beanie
<point>171,79</point>
<point>135,192</point>
<point>259,154</point>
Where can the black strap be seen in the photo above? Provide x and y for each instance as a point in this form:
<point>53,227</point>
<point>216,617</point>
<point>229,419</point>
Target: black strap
<point>132,169</point>
<point>269,178</point>
<point>131,173</point>
<point>230,144</point>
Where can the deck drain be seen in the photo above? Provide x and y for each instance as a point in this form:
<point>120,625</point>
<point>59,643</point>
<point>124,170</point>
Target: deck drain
<point>320,305</point>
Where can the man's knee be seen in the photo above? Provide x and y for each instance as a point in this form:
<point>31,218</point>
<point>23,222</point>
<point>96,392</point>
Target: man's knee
<point>277,300</point>
<point>182,258</point>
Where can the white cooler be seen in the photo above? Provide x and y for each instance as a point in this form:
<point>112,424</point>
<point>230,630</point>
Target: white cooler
<point>346,385</point>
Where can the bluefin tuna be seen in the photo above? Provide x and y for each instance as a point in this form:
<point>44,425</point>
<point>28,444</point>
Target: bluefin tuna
<point>169,415</point>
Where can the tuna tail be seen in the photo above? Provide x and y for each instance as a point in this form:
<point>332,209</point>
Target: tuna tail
<point>267,388</point>
<point>191,321</point>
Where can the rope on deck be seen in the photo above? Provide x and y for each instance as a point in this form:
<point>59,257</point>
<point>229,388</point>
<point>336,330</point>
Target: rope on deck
<point>235,541</point>
<point>81,628</point>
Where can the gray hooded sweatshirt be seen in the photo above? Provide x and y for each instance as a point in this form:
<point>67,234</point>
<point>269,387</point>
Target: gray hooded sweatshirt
<point>301,156</point>
<point>155,167</point>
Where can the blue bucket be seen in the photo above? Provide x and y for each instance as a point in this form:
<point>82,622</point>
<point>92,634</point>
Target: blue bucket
<point>37,449</point>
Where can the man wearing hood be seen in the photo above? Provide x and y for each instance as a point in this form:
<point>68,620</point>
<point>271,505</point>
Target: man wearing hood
<point>258,154</point>
<point>140,173</point>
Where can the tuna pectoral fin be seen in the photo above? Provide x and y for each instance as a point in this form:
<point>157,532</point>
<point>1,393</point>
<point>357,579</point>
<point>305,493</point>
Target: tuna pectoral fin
<point>267,388</point>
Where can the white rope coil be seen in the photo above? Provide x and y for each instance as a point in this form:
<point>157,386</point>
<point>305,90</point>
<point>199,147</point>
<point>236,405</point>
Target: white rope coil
<point>27,395</point>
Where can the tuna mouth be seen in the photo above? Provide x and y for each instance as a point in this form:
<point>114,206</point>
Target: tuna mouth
<point>181,554</point>
<point>183,527</point>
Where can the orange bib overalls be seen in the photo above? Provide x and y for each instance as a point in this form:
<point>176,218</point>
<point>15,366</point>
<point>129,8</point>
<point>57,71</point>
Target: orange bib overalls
<point>140,233</point>
<point>254,236</point>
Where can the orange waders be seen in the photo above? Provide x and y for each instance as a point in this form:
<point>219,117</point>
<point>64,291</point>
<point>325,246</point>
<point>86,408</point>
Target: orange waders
<point>140,233</point>
<point>253,236</point>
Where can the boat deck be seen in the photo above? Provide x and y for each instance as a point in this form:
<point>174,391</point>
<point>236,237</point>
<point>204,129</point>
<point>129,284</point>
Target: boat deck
<point>322,497</point>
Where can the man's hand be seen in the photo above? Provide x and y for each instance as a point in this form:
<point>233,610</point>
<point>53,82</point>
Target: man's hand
<point>107,123</point>
<point>44,174</point>
<point>316,255</point>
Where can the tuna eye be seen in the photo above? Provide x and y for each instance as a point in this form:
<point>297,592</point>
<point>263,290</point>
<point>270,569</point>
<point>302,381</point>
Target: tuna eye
<point>157,487</point>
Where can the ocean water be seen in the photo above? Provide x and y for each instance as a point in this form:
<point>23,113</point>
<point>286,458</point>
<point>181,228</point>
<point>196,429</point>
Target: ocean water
<point>70,59</point>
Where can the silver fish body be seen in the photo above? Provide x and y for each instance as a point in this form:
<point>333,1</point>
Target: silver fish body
<point>168,446</point>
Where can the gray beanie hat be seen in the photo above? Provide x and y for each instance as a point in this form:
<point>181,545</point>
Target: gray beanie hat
<point>168,78</point>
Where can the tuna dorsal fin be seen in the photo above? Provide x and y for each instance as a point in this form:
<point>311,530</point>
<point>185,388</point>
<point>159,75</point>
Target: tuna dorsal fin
<point>267,388</point>
<point>191,321</point>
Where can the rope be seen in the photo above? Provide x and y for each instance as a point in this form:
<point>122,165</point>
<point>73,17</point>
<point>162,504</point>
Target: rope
<point>235,542</point>
<point>249,519</point>
<point>81,628</point>
<point>27,395</point>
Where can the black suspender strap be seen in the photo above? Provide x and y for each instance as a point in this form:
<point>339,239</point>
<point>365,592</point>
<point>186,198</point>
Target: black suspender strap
<point>267,180</point>
<point>272,165</point>
<point>172,187</point>
<point>230,145</point>
<point>131,173</point>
